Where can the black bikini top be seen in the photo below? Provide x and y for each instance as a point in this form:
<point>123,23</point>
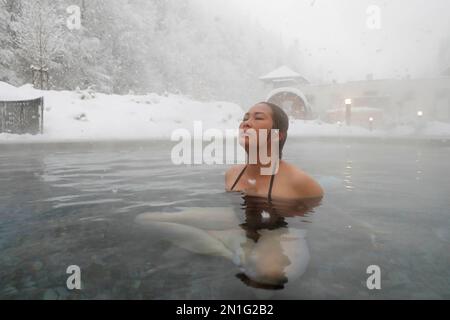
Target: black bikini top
<point>272,178</point>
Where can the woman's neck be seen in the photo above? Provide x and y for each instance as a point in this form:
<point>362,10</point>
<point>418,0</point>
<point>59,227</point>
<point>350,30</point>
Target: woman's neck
<point>258,169</point>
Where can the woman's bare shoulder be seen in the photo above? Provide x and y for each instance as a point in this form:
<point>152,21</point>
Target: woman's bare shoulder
<point>234,170</point>
<point>231,175</point>
<point>302,182</point>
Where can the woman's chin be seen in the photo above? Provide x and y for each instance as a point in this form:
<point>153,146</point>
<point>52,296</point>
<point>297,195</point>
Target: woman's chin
<point>244,142</point>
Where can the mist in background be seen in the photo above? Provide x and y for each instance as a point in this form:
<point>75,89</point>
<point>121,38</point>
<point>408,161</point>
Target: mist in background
<point>218,49</point>
<point>337,44</point>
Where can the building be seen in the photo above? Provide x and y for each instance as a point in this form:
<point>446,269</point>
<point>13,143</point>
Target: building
<point>383,101</point>
<point>285,83</point>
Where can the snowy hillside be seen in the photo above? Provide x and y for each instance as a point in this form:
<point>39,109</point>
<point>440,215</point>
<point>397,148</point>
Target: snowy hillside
<point>85,115</point>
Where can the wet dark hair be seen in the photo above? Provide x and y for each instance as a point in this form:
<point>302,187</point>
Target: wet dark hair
<point>280,122</point>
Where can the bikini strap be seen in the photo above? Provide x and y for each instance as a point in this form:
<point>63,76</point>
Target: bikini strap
<point>238,178</point>
<point>272,178</point>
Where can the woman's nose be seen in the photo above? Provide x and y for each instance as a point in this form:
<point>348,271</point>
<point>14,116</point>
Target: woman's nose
<point>246,123</point>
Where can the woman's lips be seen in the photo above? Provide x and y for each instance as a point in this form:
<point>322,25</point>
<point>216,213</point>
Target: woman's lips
<point>245,133</point>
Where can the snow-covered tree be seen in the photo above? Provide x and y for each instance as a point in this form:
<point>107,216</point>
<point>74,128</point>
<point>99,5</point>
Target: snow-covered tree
<point>38,33</point>
<point>198,48</point>
<point>7,73</point>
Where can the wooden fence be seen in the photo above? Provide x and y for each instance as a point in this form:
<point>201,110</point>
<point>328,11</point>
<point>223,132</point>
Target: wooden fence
<point>22,117</point>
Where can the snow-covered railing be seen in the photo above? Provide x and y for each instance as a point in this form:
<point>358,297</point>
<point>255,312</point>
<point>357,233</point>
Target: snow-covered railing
<point>22,117</point>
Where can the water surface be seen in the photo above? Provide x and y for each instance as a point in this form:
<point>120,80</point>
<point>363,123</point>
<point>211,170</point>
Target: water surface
<point>60,205</point>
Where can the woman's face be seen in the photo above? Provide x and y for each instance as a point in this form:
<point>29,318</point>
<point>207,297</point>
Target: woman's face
<point>257,118</point>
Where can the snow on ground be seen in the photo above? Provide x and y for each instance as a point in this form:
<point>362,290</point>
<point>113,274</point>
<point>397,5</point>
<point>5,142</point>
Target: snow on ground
<point>317,128</point>
<point>88,116</point>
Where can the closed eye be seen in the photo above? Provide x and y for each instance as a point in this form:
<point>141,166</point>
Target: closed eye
<point>257,116</point>
<point>260,116</point>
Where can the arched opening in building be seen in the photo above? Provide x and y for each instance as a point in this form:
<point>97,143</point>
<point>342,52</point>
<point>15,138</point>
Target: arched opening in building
<point>292,103</point>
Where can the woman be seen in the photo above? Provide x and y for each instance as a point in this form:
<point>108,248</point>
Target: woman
<point>287,182</point>
<point>267,251</point>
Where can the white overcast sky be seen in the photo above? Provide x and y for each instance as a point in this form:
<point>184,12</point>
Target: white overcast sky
<point>337,44</point>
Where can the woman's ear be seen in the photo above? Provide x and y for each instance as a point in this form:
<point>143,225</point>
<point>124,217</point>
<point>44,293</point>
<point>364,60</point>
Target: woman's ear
<point>276,136</point>
<point>275,133</point>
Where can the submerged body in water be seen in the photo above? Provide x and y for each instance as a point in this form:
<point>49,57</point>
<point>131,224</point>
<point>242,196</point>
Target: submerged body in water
<point>257,239</point>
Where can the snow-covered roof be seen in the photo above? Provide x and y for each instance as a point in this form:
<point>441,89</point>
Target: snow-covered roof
<point>281,73</point>
<point>11,93</point>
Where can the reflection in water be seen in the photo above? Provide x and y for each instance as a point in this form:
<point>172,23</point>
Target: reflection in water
<point>258,240</point>
<point>348,170</point>
<point>418,163</point>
